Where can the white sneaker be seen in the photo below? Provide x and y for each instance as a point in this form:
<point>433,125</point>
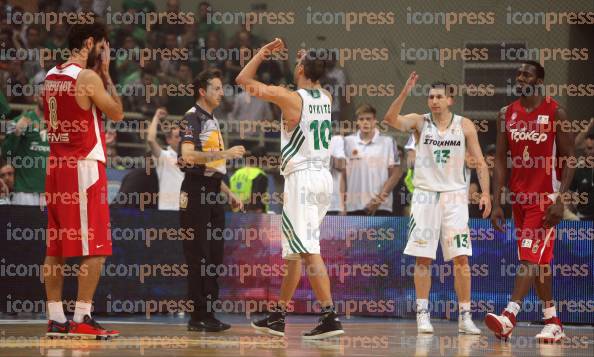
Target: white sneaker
<point>502,325</point>
<point>552,332</point>
<point>465,324</point>
<point>424,322</point>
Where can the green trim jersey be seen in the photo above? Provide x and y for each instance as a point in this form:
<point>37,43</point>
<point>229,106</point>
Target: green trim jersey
<point>306,147</point>
<point>440,162</point>
<point>28,153</point>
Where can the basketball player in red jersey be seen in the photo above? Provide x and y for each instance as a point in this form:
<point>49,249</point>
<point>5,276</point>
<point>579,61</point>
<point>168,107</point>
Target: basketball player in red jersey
<point>75,95</point>
<point>530,128</point>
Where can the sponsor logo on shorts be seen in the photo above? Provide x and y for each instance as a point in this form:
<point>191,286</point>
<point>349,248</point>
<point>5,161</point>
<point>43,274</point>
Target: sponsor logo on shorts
<point>526,243</point>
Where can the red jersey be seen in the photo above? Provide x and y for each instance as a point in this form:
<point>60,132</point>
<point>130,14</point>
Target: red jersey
<point>72,131</point>
<point>531,141</point>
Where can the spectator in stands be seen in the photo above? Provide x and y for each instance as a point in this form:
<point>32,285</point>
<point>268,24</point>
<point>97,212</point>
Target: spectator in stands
<point>250,183</point>
<point>210,59</point>
<point>583,182</point>
<point>172,7</point>
<point>125,65</point>
<point>373,167</point>
<point>58,38</point>
<point>27,147</point>
<point>168,66</point>
<point>33,43</point>
<point>177,104</point>
<point>141,81</point>
<point>241,43</point>
<point>6,183</point>
<point>139,6</point>
<point>169,174</point>
<point>13,80</point>
<point>205,26</point>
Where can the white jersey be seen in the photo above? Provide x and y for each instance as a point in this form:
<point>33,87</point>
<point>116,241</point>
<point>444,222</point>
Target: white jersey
<point>306,147</point>
<point>440,161</point>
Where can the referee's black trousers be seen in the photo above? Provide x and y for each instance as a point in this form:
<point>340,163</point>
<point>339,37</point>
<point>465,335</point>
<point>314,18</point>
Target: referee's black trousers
<point>203,214</point>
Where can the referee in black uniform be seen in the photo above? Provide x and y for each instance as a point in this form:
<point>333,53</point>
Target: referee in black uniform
<point>203,159</point>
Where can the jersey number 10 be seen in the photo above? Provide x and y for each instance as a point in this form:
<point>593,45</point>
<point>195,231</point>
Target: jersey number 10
<point>322,132</point>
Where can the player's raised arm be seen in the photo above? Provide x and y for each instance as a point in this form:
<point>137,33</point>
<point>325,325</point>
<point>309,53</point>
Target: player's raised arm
<point>474,149</point>
<point>564,141</point>
<point>280,96</point>
<point>499,171</point>
<point>404,122</point>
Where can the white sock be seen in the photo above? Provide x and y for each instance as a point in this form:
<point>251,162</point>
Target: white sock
<point>55,311</point>
<point>81,309</point>
<point>550,312</point>
<point>464,306</point>
<point>422,304</point>
<point>513,308</point>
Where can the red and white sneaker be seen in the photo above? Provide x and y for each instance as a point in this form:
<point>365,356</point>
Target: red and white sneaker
<point>502,325</point>
<point>90,329</point>
<point>57,330</point>
<point>552,332</point>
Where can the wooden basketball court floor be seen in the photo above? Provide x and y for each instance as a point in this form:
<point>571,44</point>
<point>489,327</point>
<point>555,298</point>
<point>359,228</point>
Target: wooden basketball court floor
<point>168,336</point>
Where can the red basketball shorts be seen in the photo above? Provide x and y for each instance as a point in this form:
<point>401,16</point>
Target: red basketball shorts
<point>78,210</point>
<point>535,243</point>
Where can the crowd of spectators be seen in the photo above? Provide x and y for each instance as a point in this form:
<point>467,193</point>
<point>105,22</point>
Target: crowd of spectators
<point>372,174</point>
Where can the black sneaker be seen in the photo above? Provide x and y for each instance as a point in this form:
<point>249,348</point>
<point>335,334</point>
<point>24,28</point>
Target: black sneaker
<point>273,324</point>
<point>328,326</point>
<point>207,324</point>
<point>57,330</point>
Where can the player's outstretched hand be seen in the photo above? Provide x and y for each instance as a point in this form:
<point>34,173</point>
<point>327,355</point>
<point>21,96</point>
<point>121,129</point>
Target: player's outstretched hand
<point>272,47</point>
<point>485,205</point>
<point>553,215</point>
<point>411,82</point>
<point>497,218</point>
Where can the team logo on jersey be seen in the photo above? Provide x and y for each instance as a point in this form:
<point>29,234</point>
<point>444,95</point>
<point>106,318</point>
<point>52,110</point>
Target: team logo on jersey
<point>526,243</point>
<point>518,135</point>
<point>514,116</point>
<point>183,199</point>
<point>542,119</point>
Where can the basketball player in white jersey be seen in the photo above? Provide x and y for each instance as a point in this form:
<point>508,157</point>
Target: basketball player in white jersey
<point>305,159</point>
<point>439,209</point>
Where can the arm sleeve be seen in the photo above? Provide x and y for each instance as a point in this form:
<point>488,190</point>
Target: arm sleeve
<point>190,129</point>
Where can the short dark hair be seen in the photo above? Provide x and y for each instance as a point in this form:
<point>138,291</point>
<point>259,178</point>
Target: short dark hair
<point>204,77</point>
<point>80,32</point>
<point>540,72</point>
<point>314,64</point>
<point>449,90</point>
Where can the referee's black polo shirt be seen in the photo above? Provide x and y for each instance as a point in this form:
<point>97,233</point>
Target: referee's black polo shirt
<point>202,129</point>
